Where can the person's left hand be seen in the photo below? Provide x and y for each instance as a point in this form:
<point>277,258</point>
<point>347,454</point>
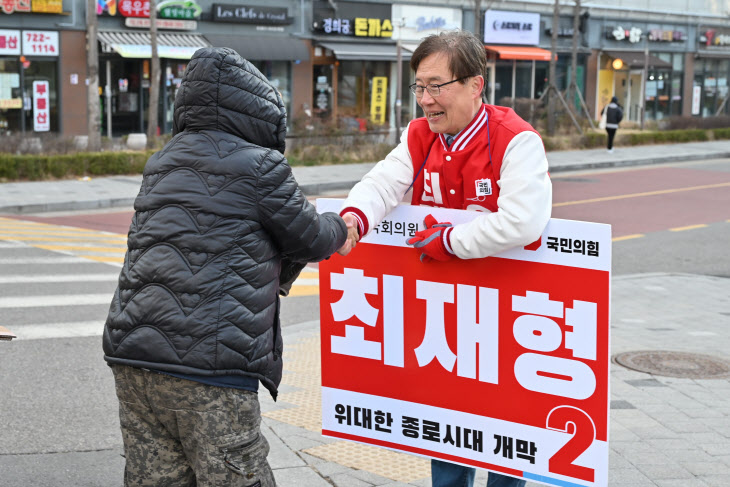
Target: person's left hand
<point>353,236</point>
<point>433,241</point>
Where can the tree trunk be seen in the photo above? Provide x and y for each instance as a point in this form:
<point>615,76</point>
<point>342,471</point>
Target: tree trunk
<point>154,80</point>
<point>552,86</point>
<point>574,57</point>
<point>93,115</point>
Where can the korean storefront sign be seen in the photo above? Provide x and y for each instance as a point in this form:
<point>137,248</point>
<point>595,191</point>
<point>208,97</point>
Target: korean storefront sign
<point>142,23</point>
<point>377,99</point>
<point>420,21</point>
<point>353,19</point>
<point>178,9</point>
<point>41,102</point>
<point>10,42</point>
<point>499,363</point>
<point>249,14</point>
<point>501,27</point>
<point>40,43</point>
<point>715,38</point>
<point>48,6</point>
<point>619,33</point>
<point>10,6</point>
<point>169,9</point>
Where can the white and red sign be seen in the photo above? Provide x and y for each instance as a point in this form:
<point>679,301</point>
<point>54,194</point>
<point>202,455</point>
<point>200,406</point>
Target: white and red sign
<point>134,8</point>
<point>41,107</point>
<point>40,43</point>
<point>500,363</point>
<point>10,42</point>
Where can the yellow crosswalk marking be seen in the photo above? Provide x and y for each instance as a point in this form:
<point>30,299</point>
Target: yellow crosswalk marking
<point>101,258</point>
<point>103,239</point>
<point>81,247</point>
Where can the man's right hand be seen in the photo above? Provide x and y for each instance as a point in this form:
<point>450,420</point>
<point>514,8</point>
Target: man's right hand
<point>352,234</point>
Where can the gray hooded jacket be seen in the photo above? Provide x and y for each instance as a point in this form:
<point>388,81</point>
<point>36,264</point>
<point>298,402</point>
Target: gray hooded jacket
<point>219,221</point>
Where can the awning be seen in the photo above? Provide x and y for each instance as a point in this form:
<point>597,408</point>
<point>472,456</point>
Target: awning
<point>520,53</point>
<point>264,47</point>
<point>365,51</point>
<point>635,59</point>
<point>137,44</point>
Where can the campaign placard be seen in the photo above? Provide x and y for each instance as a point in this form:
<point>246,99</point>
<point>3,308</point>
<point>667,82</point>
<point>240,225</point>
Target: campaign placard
<point>500,363</point>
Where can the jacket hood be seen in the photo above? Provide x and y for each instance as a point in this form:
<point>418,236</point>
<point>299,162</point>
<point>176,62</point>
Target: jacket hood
<point>222,91</point>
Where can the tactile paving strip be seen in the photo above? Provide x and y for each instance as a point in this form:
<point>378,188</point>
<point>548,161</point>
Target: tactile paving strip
<point>302,364</point>
<point>389,464</point>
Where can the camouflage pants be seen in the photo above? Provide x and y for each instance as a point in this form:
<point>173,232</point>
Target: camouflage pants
<point>181,433</point>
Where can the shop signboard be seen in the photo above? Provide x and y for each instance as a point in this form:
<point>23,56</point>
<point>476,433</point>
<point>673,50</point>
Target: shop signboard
<point>178,9</point>
<point>10,6</point>
<point>250,14</point>
<point>714,38</point>
<point>502,27</point>
<point>41,109</point>
<point>40,43</point>
<point>619,33</point>
<point>419,21</point>
<point>412,352</point>
<point>48,6</point>
<point>696,94</point>
<point>142,23</point>
<point>134,8</point>
<point>355,19</point>
<point>377,99</point>
<point>10,42</point>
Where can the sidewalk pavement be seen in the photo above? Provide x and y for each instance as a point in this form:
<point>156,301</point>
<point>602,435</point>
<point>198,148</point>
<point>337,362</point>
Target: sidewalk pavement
<point>120,191</point>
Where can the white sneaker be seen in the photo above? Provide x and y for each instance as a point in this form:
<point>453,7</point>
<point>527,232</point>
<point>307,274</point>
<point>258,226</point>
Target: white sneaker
<point>610,151</point>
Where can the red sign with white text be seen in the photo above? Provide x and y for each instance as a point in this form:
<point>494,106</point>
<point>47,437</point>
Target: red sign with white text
<point>134,8</point>
<point>499,363</point>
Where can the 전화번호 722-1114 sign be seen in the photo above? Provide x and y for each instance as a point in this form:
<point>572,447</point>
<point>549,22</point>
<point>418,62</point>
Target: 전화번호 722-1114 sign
<point>500,363</point>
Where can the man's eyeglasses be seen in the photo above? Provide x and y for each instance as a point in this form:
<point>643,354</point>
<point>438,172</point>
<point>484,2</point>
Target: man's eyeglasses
<point>433,89</point>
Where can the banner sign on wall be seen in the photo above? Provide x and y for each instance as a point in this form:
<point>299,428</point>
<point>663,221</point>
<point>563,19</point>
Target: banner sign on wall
<point>500,363</point>
<point>502,27</point>
<point>377,101</point>
<point>41,107</point>
<point>420,21</point>
<point>10,42</point>
<point>249,14</point>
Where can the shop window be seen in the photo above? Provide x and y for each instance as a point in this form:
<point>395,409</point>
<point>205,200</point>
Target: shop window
<point>11,97</point>
<point>354,90</point>
<point>41,71</point>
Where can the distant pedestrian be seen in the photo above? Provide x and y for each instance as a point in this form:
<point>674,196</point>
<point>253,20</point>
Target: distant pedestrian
<point>221,229</point>
<point>611,116</point>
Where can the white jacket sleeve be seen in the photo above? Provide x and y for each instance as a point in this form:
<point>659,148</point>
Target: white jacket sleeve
<point>381,189</point>
<point>524,203</point>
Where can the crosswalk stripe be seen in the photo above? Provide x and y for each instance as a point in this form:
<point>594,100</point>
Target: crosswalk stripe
<point>82,247</point>
<point>55,300</point>
<point>28,279</point>
<point>59,330</point>
<point>10,244</point>
<point>43,260</point>
<point>105,259</point>
<point>95,239</point>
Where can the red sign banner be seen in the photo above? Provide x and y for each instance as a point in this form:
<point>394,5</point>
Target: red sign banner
<point>500,363</point>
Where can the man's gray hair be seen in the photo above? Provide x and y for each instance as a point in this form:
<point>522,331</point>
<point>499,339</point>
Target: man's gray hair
<point>467,55</point>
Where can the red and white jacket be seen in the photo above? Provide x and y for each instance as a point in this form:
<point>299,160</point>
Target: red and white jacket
<point>513,190</point>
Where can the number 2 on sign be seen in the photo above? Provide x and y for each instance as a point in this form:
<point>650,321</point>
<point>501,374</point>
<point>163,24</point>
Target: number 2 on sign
<point>575,422</point>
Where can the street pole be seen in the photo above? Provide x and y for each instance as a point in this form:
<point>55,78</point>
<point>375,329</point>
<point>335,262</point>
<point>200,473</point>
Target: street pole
<point>399,85</point>
<point>646,80</point>
<point>552,85</point>
<point>93,118</point>
<point>108,94</point>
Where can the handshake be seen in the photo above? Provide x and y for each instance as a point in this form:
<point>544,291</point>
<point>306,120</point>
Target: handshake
<point>434,241</point>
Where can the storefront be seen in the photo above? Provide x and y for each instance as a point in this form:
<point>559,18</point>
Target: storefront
<point>263,35</point>
<point>711,73</point>
<point>124,61</point>
<point>30,88</point>
<point>643,66</point>
<point>352,75</point>
<point>516,66</point>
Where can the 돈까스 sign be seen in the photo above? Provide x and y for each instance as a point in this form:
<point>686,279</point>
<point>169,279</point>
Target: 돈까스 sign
<point>500,363</point>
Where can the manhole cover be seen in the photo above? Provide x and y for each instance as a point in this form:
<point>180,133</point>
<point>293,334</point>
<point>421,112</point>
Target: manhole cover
<point>675,364</point>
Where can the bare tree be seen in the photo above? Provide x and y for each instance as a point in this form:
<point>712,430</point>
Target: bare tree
<point>154,80</point>
<point>93,115</point>
<point>552,88</point>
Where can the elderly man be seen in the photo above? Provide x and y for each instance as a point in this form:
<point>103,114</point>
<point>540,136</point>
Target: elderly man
<point>463,154</point>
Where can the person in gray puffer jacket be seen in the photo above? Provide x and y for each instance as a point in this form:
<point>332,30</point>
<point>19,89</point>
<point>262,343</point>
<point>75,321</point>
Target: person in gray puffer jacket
<point>220,230</point>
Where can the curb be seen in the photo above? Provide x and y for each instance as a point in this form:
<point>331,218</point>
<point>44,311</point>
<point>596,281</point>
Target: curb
<point>314,189</point>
